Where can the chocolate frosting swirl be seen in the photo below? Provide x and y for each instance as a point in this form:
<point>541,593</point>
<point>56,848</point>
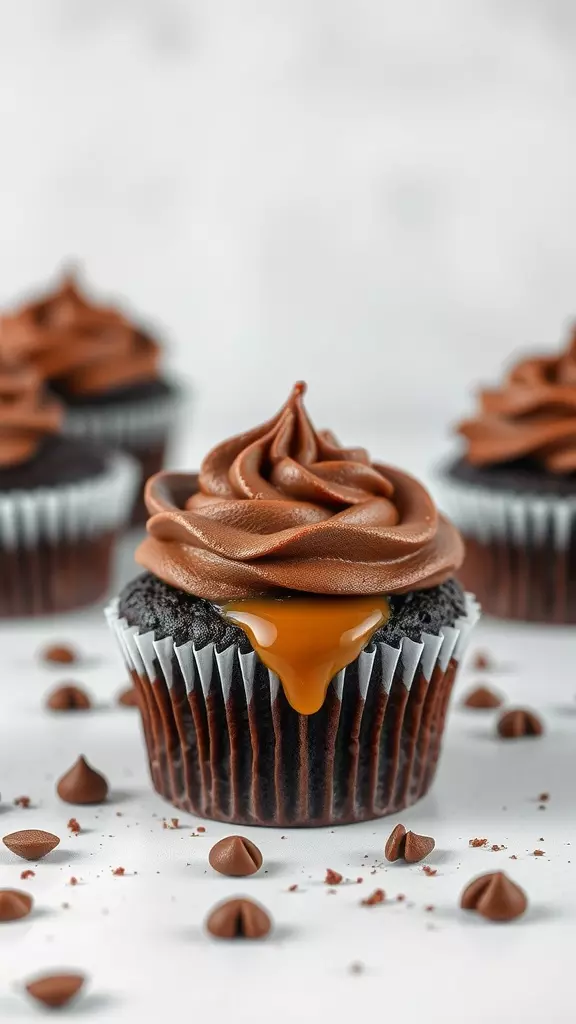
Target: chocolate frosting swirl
<point>533,415</point>
<point>27,415</point>
<point>85,347</point>
<point>284,507</point>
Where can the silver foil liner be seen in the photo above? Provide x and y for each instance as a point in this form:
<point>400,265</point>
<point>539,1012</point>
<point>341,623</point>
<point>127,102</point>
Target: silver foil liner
<point>224,743</point>
<point>56,543</point>
<point>127,424</point>
<point>520,550</point>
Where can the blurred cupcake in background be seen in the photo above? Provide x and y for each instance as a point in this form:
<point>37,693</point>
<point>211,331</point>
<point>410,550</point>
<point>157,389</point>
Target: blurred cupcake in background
<point>295,638</point>
<point>512,492</point>
<point>104,369</point>
<point>62,503</point>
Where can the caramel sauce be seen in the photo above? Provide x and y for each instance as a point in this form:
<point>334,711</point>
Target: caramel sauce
<point>306,641</point>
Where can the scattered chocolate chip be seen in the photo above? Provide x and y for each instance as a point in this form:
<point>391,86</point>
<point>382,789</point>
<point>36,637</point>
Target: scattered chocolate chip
<point>482,661</point>
<point>59,654</point>
<point>378,896</point>
<point>119,871</point>
<point>129,698</point>
<point>494,896</point>
<point>22,801</point>
<point>55,990</point>
<point>82,785</point>
<point>477,843</point>
<point>429,871</point>
<point>235,856</point>
<point>539,853</point>
<point>417,847</point>
<point>394,848</point>
<point>31,843</point>
<point>68,698</point>
<point>519,723</point>
<point>14,904</point>
<point>332,877</point>
<point>482,699</point>
<point>238,919</point>
<point>74,826</point>
<point>28,873</point>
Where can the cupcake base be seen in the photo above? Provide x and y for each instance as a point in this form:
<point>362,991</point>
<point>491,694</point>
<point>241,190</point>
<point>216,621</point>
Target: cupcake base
<point>224,743</point>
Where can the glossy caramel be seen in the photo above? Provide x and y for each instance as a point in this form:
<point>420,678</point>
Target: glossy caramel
<point>306,641</point>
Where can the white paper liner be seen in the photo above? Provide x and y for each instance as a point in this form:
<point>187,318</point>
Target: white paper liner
<point>487,514</point>
<point>69,512</point>
<point>205,667</point>
<point>126,423</point>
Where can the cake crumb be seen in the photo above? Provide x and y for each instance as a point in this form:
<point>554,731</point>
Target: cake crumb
<point>293,888</point>
<point>477,843</point>
<point>539,853</point>
<point>429,871</point>
<point>359,880</point>
<point>378,896</point>
<point>482,661</point>
<point>513,857</point>
<point>27,874</point>
<point>74,826</point>
<point>171,823</point>
<point>544,797</point>
<point>332,877</point>
<point>22,801</point>
<point>356,967</point>
<point>119,871</point>
<point>400,897</point>
<point>430,908</point>
<point>496,849</point>
<point>200,828</point>
<point>73,880</point>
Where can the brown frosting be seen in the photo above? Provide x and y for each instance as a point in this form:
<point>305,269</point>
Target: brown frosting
<point>532,415</point>
<point>27,415</point>
<point>86,347</point>
<point>285,507</point>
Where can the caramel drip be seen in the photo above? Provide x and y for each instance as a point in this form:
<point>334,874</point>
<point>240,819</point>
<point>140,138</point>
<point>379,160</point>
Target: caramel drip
<point>306,641</point>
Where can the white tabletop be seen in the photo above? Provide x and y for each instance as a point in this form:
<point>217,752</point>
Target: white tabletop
<point>140,937</point>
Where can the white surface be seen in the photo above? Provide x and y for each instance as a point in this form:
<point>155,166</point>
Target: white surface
<point>140,937</point>
<point>377,193</point>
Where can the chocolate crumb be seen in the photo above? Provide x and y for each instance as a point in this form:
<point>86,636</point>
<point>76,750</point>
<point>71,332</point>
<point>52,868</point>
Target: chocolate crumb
<point>400,897</point>
<point>119,871</point>
<point>59,654</point>
<point>482,661</point>
<point>74,826</point>
<point>544,797</point>
<point>513,857</point>
<point>539,853</point>
<point>378,896</point>
<point>28,873</point>
<point>429,871</point>
<point>22,801</point>
<point>171,823</point>
<point>332,877</point>
<point>477,843</point>
<point>200,828</point>
<point>430,908</point>
<point>496,849</point>
<point>73,880</point>
<point>359,880</point>
<point>356,967</point>
<point>293,888</point>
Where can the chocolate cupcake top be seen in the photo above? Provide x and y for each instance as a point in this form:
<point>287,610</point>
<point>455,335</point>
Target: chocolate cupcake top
<point>27,415</point>
<point>532,415</point>
<point>75,343</point>
<point>284,507</point>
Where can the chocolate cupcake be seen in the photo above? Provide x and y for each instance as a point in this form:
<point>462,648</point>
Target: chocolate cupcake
<point>295,637</point>
<point>62,502</point>
<point>513,492</point>
<point>104,369</point>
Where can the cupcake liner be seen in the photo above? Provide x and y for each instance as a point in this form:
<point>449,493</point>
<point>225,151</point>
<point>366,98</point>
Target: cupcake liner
<point>56,543</point>
<point>224,743</point>
<point>520,550</point>
<point>125,424</point>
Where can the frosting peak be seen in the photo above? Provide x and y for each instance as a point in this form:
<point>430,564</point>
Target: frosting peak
<point>532,415</point>
<point>84,347</point>
<point>285,507</point>
<point>26,414</point>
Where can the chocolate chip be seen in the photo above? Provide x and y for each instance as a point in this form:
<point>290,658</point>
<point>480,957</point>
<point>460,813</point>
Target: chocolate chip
<point>332,877</point>
<point>68,698</point>
<point>482,699</point>
<point>129,698</point>
<point>55,990</point>
<point>31,843</point>
<point>59,654</point>
<point>14,904</point>
<point>235,856</point>
<point>407,845</point>
<point>519,723</point>
<point>378,896</point>
<point>494,896</point>
<point>417,847</point>
<point>82,785</point>
<point>394,848</point>
<point>238,919</point>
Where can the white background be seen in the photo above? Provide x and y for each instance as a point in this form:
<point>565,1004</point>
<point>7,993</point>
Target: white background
<point>378,197</point>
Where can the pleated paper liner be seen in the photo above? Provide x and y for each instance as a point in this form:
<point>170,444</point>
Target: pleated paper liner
<point>224,743</point>
<point>141,429</point>
<point>520,551</point>
<point>56,542</point>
